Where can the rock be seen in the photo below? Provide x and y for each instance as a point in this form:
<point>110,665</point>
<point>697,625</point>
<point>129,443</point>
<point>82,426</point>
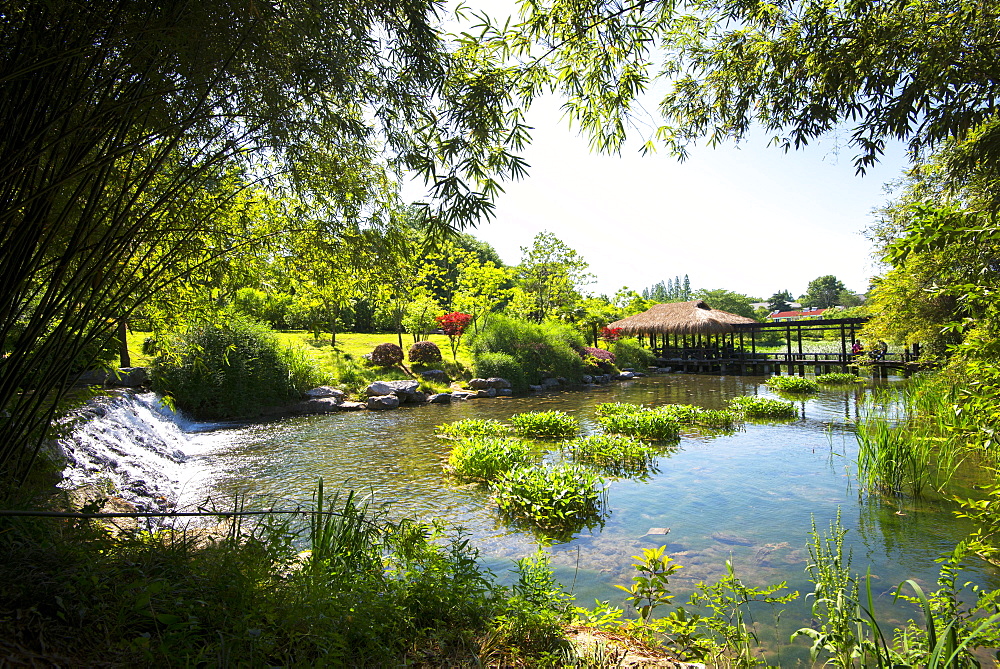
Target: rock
<point>398,388</point>
<point>587,379</point>
<point>549,383</point>
<point>435,375</point>
<point>505,392</point>
<point>352,406</point>
<point>382,402</point>
<point>321,392</point>
<point>638,374</point>
<point>416,398</point>
<point>462,395</point>
<point>487,392</point>
<point>731,539</point>
<point>534,388</point>
<point>440,398</point>
<point>623,376</point>
<point>498,383</point>
<point>319,405</point>
<point>479,384</point>
<point>126,377</point>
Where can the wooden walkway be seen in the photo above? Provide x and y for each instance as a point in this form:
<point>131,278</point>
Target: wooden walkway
<point>736,352</point>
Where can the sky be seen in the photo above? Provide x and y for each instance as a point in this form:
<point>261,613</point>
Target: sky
<point>750,218</point>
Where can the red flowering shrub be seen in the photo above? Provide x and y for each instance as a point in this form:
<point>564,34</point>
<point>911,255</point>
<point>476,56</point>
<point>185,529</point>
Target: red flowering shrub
<point>454,325</point>
<point>387,355</point>
<point>610,335</point>
<point>424,352</point>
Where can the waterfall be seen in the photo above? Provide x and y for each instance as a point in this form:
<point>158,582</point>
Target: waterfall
<point>134,447</point>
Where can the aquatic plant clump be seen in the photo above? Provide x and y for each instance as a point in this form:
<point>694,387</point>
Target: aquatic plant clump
<point>473,427</point>
<point>749,406</point>
<point>719,419</point>
<point>682,413</point>
<point>792,384</point>
<point>560,497</point>
<point>485,458</point>
<point>618,408</point>
<point>838,378</point>
<point>545,424</point>
<point>650,425</point>
<point>615,454</point>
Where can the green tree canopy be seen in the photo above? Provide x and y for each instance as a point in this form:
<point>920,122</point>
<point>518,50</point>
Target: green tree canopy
<point>780,301</point>
<point>823,292</point>
<point>551,274</point>
<point>727,300</point>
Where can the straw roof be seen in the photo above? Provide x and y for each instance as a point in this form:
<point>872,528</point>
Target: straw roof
<point>694,317</point>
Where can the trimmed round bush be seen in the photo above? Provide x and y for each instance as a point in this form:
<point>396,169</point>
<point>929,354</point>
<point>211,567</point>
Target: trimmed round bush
<point>503,365</point>
<point>231,371</point>
<point>387,355</point>
<point>424,352</point>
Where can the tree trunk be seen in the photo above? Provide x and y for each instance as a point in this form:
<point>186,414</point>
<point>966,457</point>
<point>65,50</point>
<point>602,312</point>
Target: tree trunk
<point>124,358</point>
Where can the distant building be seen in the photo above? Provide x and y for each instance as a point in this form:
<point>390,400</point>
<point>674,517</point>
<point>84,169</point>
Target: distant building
<point>807,314</point>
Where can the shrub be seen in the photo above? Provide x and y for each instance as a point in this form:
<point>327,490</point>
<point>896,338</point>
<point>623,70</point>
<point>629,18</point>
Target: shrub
<point>839,378</point>
<point>544,424</point>
<point>629,353</point>
<point>598,357</point>
<point>762,407</point>
<point>538,350</point>
<point>503,365</point>
<point>562,498</point>
<point>650,425</point>
<point>424,352</point>
<point>231,371</point>
<point>387,355</point>
<point>485,458</point>
<point>792,384</point>
<point>473,427</point>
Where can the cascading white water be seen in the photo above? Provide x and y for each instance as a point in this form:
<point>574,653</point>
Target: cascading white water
<point>134,446</point>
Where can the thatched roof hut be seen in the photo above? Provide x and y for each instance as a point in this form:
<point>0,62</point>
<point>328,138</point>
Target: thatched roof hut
<point>680,318</point>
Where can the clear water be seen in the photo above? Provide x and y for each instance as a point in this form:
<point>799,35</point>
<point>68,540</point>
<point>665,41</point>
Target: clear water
<point>748,497</point>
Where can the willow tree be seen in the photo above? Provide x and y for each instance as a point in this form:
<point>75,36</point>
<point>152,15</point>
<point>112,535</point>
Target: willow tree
<point>129,128</point>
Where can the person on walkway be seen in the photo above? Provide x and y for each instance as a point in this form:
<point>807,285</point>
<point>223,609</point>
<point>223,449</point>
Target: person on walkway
<point>858,350</point>
<point>879,351</point>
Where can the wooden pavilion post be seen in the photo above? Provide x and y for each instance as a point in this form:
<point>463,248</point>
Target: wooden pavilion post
<point>788,349</point>
<point>843,348</point>
<point>802,365</point>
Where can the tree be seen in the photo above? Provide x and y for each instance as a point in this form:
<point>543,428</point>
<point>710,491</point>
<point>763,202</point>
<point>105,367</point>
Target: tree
<point>872,71</point>
<point>823,292</point>
<point>780,301</point>
<point>551,274</point>
<point>727,300</point>
<point>482,288</point>
<point>130,125</point>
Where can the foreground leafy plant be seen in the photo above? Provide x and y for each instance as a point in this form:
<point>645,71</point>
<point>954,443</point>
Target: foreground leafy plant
<point>561,498</point>
<point>750,406</point>
<point>544,424</point>
<point>485,458</point>
<point>793,384</point>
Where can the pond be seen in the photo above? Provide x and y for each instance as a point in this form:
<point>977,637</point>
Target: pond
<point>748,497</point>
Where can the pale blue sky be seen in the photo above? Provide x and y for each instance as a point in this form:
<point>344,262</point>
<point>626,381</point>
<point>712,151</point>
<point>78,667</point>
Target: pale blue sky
<point>751,219</point>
